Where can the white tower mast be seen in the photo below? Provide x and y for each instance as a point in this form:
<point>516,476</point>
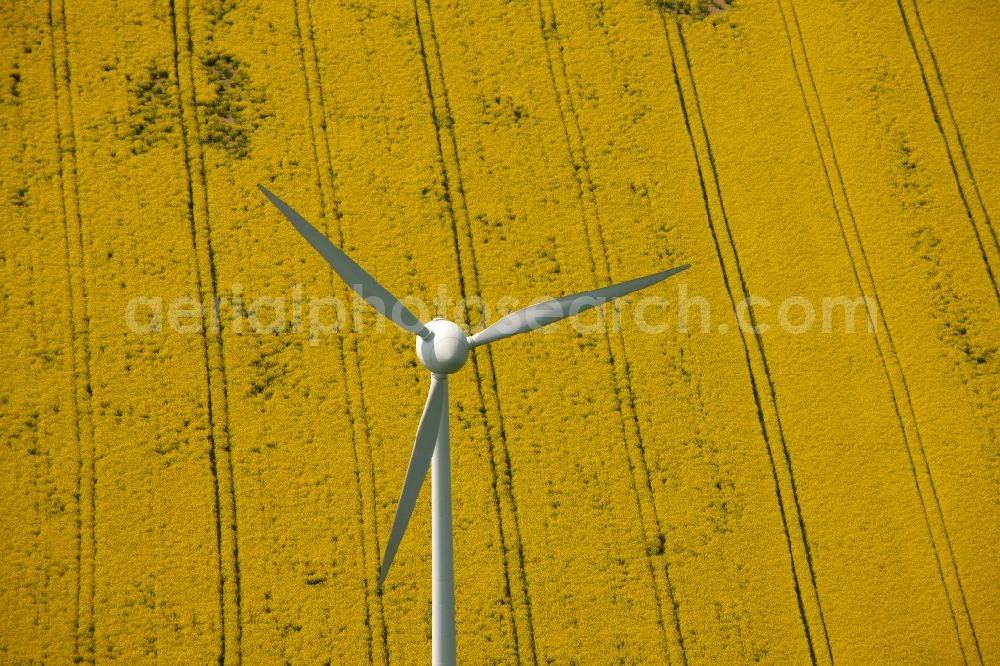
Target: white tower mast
<point>442,548</point>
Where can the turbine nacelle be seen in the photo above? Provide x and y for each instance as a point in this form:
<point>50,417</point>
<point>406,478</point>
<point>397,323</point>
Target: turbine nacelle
<point>444,351</point>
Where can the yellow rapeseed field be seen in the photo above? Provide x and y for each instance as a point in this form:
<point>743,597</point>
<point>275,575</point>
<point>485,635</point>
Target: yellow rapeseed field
<point>196,467</point>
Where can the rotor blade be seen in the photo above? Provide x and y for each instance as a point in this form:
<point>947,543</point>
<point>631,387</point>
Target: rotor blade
<point>356,277</point>
<point>420,462</point>
<point>542,314</point>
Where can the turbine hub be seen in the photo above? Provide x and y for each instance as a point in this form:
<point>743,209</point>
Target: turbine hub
<point>447,351</point>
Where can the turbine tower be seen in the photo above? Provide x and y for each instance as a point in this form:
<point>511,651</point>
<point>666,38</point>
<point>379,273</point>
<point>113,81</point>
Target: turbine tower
<point>443,348</point>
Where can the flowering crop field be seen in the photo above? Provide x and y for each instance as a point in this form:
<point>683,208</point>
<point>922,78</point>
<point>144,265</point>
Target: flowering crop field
<point>196,466</point>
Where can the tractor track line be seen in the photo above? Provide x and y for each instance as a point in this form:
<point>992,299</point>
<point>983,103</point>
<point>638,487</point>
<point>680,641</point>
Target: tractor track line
<point>84,620</point>
<point>755,389</point>
<point>192,153</point>
<point>220,340</point>
<point>890,347</point>
<point>362,404</point>
<point>760,346</point>
<point>40,616</point>
<point>502,477</point>
<point>374,70</point>
<point>213,463</point>
<point>40,477</point>
<point>954,123</point>
<point>342,344</point>
<point>948,146</point>
<point>583,182</point>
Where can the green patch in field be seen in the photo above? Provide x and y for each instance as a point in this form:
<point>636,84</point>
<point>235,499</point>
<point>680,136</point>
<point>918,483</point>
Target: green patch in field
<point>15,83</point>
<point>974,355</point>
<point>153,108</point>
<point>697,9</point>
<point>231,111</point>
<point>20,197</point>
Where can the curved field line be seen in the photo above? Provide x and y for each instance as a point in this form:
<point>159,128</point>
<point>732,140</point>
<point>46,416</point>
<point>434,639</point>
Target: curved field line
<point>225,500</point>
<point>975,224</point>
<point>772,403</point>
<point>79,345</point>
<point>597,250</point>
<point>887,354</point>
<point>502,478</point>
<point>333,206</point>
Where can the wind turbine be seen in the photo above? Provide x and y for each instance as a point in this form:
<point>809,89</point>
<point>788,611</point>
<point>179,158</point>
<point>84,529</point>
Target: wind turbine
<point>443,348</point>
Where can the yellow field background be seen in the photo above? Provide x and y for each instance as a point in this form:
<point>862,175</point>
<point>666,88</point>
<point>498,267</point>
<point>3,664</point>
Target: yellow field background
<point>698,497</point>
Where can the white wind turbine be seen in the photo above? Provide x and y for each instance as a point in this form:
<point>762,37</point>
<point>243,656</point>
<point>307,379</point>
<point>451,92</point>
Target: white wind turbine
<point>443,348</point>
